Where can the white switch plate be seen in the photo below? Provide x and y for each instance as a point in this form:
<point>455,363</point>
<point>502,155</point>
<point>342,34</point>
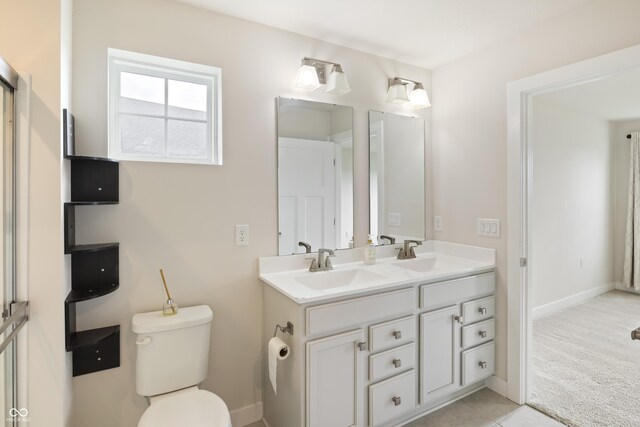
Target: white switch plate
<point>242,235</point>
<point>488,227</point>
<point>437,223</point>
<point>394,219</point>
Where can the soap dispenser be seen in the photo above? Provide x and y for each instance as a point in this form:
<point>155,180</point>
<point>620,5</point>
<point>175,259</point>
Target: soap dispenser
<point>370,252</point>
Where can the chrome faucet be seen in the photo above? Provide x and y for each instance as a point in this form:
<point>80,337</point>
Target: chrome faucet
<point>307,247</point>
<point>323,263</point>
<point>392,240</point>
<point>407,251</point>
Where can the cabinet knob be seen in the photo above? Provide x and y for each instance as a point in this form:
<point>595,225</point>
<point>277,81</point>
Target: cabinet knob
<point>483,365</point>
<point>483,334</point>
<point>397,334</point>
<point>459,319</point>
<point>362,346</point>
<point>396,400</point>
<point>483,310</point>
<point>397,363</point>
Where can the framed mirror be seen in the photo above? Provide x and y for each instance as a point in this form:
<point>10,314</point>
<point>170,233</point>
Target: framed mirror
<point>315,176</point>
<point>396,177</point>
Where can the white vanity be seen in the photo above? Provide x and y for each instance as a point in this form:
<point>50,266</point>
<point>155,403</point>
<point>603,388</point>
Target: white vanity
<point>382,344</point>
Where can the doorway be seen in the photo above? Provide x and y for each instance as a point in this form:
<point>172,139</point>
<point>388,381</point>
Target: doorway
<point>521,144</point>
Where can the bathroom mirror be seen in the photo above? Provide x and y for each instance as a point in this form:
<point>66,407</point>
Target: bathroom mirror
<point>315,176</point>
<point>396,177</point>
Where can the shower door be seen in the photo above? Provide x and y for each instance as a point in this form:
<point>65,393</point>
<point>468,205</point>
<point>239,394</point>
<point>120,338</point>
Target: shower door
<point>14,314</point>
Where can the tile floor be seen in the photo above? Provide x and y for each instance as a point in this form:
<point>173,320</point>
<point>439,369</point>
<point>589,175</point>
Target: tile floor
<point>483,408</point>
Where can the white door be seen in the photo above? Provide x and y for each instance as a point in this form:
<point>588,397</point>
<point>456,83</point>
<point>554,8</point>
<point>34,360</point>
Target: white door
<point>439,352</point>
<point>335,381</point>
<point>306,194</point>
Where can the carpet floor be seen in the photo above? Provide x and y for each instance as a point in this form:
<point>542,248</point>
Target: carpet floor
<point>585,365</point>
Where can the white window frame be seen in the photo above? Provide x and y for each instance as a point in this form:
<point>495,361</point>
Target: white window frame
<point>138,63</point>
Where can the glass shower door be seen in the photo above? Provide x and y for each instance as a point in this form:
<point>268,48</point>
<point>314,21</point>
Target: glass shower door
<point>14,314</point>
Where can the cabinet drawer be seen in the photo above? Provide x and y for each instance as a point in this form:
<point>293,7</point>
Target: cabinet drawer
<point>392,333</point>
<point>478,363</point>
<point>480,309</point>
<point>392,361</point>
<point>343,314</point>
<point>441,294</point>
<point>391,398</point>
<point>478,333</point>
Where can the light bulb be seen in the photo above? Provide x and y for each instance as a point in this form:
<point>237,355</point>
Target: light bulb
<point>307,78</point>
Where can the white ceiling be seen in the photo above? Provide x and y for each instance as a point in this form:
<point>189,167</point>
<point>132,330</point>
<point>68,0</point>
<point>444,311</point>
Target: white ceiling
<point>427,33</point>
<point>616,98</point>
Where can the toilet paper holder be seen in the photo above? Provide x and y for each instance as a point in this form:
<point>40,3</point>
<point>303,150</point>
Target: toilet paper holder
<point>288,329</point>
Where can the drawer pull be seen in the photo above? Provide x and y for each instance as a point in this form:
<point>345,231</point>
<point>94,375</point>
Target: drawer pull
<point>396,400</point>
<point>483,310</point>
<point>397,363</point>
<point>459,319</point>
<point>397,334</point>
<point>483,334</point>
<point>362,346</point>
<point>483,365</point>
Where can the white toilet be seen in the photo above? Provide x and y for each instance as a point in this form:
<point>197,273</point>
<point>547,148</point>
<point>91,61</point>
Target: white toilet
<point>172,359</point>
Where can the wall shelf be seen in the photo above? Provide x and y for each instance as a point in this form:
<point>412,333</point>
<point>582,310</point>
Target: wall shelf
<point>94,267</point>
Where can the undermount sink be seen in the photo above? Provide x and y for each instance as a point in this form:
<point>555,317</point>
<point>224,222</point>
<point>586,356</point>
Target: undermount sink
<point>337,279</point>
<point>421,265</point>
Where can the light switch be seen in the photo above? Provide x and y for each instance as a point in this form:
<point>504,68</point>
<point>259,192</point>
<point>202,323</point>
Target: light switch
<point>488,227</point>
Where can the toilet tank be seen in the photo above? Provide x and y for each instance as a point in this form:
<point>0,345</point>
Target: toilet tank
<point>172,352</point>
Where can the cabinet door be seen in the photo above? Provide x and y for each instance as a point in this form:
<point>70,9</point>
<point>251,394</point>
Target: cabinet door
<point>335,380</point>
<point>439,352</point>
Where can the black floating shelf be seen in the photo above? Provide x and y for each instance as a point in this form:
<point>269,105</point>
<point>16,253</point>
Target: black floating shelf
<point>91,203</point>
<point>95,350</point>
<point>91,248</point>
<point>92,158</point>
<point>91,337</point>
<point>78,295</point>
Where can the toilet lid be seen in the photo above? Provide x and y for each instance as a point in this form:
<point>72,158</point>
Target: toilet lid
<point>197,408</point>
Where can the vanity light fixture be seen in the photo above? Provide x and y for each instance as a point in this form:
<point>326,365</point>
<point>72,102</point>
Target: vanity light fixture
<point>313,73</point>
<point>398,93</point>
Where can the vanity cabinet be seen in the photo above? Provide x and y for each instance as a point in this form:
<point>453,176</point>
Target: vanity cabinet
<point>381,358</point>
<point>335,380</point>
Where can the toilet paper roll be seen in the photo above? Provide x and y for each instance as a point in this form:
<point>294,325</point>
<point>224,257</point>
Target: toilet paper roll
<point>278,350</point>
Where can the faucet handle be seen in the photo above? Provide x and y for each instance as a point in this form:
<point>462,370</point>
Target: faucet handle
<point>412,253</point>
<point>314,264</point>
<point>327,262</point>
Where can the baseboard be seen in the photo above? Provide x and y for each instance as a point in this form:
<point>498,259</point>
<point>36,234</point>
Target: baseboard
<point>497,384</point>
<point>621,287</point>
<point>247,415</point>
<point>572,300</point>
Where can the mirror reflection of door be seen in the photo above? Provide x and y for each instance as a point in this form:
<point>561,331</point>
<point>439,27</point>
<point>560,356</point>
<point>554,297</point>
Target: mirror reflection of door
<point>315,176</point>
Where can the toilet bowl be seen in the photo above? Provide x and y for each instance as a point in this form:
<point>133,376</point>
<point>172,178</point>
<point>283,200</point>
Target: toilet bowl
<point>172,358</point>
<point>191,408</point>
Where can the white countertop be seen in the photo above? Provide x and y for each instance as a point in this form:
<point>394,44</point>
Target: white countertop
<point>435,261</point>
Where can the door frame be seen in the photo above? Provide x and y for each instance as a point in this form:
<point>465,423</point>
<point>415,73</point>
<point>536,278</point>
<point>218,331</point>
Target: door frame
<point>520,94</point>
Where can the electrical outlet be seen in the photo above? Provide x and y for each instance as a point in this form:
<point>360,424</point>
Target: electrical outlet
<point>437,223</point>
<point>394,219</point>
<point>242,235</point>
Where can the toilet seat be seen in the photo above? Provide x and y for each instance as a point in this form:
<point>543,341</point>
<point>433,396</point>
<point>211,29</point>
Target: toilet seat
<point>198,408</point>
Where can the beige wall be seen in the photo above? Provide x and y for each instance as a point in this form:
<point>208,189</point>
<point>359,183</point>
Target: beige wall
<point>182,217</point>
<point>621,156</point>
<point>571,202</point>
<point>34,39</point>
<point>470,122</point>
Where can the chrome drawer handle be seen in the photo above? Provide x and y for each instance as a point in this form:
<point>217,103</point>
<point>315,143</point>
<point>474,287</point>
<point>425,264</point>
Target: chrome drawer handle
<point>396,400</point>
<point>397,334</point>
<point>362,346</point>
<point>482,310</point>
<point>397,363</point>
<point>483,334</point>
<point>483,365</point>
<point>459,319</point>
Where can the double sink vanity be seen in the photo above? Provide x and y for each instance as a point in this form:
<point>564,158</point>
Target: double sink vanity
<point>378,345</point>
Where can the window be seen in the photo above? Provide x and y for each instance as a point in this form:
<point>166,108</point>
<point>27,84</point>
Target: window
<point>163,110</point>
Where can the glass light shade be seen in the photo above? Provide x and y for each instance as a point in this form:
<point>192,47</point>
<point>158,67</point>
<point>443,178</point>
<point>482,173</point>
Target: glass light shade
<point>419,97</point>
<point>337,83</point>
<point>397,94</point>
<point>307,78</point>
